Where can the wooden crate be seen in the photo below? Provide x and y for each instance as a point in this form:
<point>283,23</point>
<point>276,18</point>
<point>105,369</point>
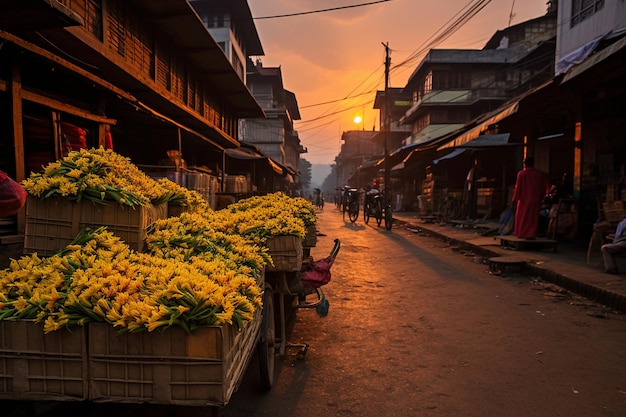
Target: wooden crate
<point>35,366</point>
<point>310,239</point>
<point>286,253</point>
<point>614,211</point>
<point>54,222</point>
<point>170,367</point>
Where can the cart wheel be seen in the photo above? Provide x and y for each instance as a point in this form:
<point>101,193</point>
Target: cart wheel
<point>302,352</point>
<point>266,346</point>
<point>388,217</point>
<point>379,213</point>
<point>366,213</point>
<point>353,212</point>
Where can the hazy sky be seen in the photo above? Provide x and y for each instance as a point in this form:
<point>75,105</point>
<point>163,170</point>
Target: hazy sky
<point>334,61</point>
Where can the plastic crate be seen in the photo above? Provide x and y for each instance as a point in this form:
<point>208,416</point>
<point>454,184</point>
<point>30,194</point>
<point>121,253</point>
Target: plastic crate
<point>35,366</point>
<point>170,367</point>
<point>286,253</point>
<point>52,223</point>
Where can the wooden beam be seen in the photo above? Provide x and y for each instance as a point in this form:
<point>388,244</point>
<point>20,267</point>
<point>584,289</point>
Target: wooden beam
<point>121,93</point>
<point>60,61</point>
<point>66,108</point>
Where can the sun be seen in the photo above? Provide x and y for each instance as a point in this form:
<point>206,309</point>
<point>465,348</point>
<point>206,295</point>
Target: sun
<point>357,119</point>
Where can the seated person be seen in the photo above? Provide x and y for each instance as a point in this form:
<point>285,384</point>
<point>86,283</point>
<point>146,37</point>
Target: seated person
<point>609,250</point>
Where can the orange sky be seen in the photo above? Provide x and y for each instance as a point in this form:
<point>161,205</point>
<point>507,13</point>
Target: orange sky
<point>338,56</point>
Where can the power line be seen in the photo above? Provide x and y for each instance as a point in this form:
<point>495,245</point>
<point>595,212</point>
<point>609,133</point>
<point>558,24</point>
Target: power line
<point>334,101</point>
<point>321,10</point>
<point>464,15</point>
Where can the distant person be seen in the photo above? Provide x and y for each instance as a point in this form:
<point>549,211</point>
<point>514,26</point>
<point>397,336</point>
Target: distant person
<point>618,245</point>
<point>471,193</point>
<point>12,196</point>
<point>531,187</point>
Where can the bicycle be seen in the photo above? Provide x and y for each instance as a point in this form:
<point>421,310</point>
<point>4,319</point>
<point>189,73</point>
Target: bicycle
<point>373,206</point>
<point>350,204</point>
<point>386,213</point>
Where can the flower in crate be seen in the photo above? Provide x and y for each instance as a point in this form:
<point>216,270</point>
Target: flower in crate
<point>99,278</point>
<point>99,175</point>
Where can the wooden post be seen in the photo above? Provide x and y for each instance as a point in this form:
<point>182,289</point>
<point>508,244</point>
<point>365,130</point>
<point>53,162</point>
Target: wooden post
<point>56,134</point>
<point>18,135</point>
<point>18,127</point>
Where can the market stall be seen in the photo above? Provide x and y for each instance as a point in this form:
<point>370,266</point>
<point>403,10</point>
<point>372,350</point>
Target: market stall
<point>170,314</point>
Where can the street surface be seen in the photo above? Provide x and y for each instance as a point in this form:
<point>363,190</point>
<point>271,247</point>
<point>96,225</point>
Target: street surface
<point>417,328</point>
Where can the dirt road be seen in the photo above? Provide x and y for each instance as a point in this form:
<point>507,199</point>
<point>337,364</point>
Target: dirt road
<point>418,328</point>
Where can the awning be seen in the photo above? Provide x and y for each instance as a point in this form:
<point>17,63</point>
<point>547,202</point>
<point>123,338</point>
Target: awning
<point>277,168</point>
<point>250,154</point>
<point>496,139</point>
<point>473,133</point>
<point>451,155</point>
<point>594,59</point>
<point>243,153</point>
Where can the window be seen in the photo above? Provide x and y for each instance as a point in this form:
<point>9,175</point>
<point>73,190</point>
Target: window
<point>428,83</point>
<point>442,80</point>
<point>583,9</point>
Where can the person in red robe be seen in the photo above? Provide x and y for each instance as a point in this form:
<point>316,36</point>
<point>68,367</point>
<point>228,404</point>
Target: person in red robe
<point>530,188</point>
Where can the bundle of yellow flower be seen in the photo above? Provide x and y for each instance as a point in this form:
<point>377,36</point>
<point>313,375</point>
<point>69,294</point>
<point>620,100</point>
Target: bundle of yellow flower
<point>262,217</point>
<point>201,268</point>
<point>100,175</point>
<point>99,278</point>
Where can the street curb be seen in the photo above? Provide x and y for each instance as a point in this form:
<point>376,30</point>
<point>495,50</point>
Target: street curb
<point>609,299</point>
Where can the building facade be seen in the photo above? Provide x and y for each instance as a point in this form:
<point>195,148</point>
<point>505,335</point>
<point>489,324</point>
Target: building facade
<point>274,135</point>
<point>147,72</point>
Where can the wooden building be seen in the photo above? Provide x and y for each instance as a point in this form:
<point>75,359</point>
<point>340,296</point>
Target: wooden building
<point>146,71</point>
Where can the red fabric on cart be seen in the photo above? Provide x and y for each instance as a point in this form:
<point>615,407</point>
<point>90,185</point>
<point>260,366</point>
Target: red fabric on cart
<point>12,196</point>
<point>319,275</point>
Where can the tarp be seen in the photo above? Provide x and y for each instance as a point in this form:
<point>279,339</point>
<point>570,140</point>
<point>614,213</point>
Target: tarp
<point>594,59</point>
<point>577,56</point>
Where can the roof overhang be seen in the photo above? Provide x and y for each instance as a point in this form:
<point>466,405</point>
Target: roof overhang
<point>243,153</point>
<point>475,132</point>
<point>24,15</point>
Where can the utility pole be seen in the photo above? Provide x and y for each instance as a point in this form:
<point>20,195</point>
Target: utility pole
<point>385,124</point>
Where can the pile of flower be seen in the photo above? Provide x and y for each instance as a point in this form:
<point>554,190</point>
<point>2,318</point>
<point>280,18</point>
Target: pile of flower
<point>99,278</point>
<point>200,268</point>
<point>195,235</point>
<point>101,175</point>
<point>261,217</point>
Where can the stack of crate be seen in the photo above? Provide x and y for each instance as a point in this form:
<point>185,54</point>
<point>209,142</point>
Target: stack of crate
<point>614,211</point>
<point>52,223</point>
